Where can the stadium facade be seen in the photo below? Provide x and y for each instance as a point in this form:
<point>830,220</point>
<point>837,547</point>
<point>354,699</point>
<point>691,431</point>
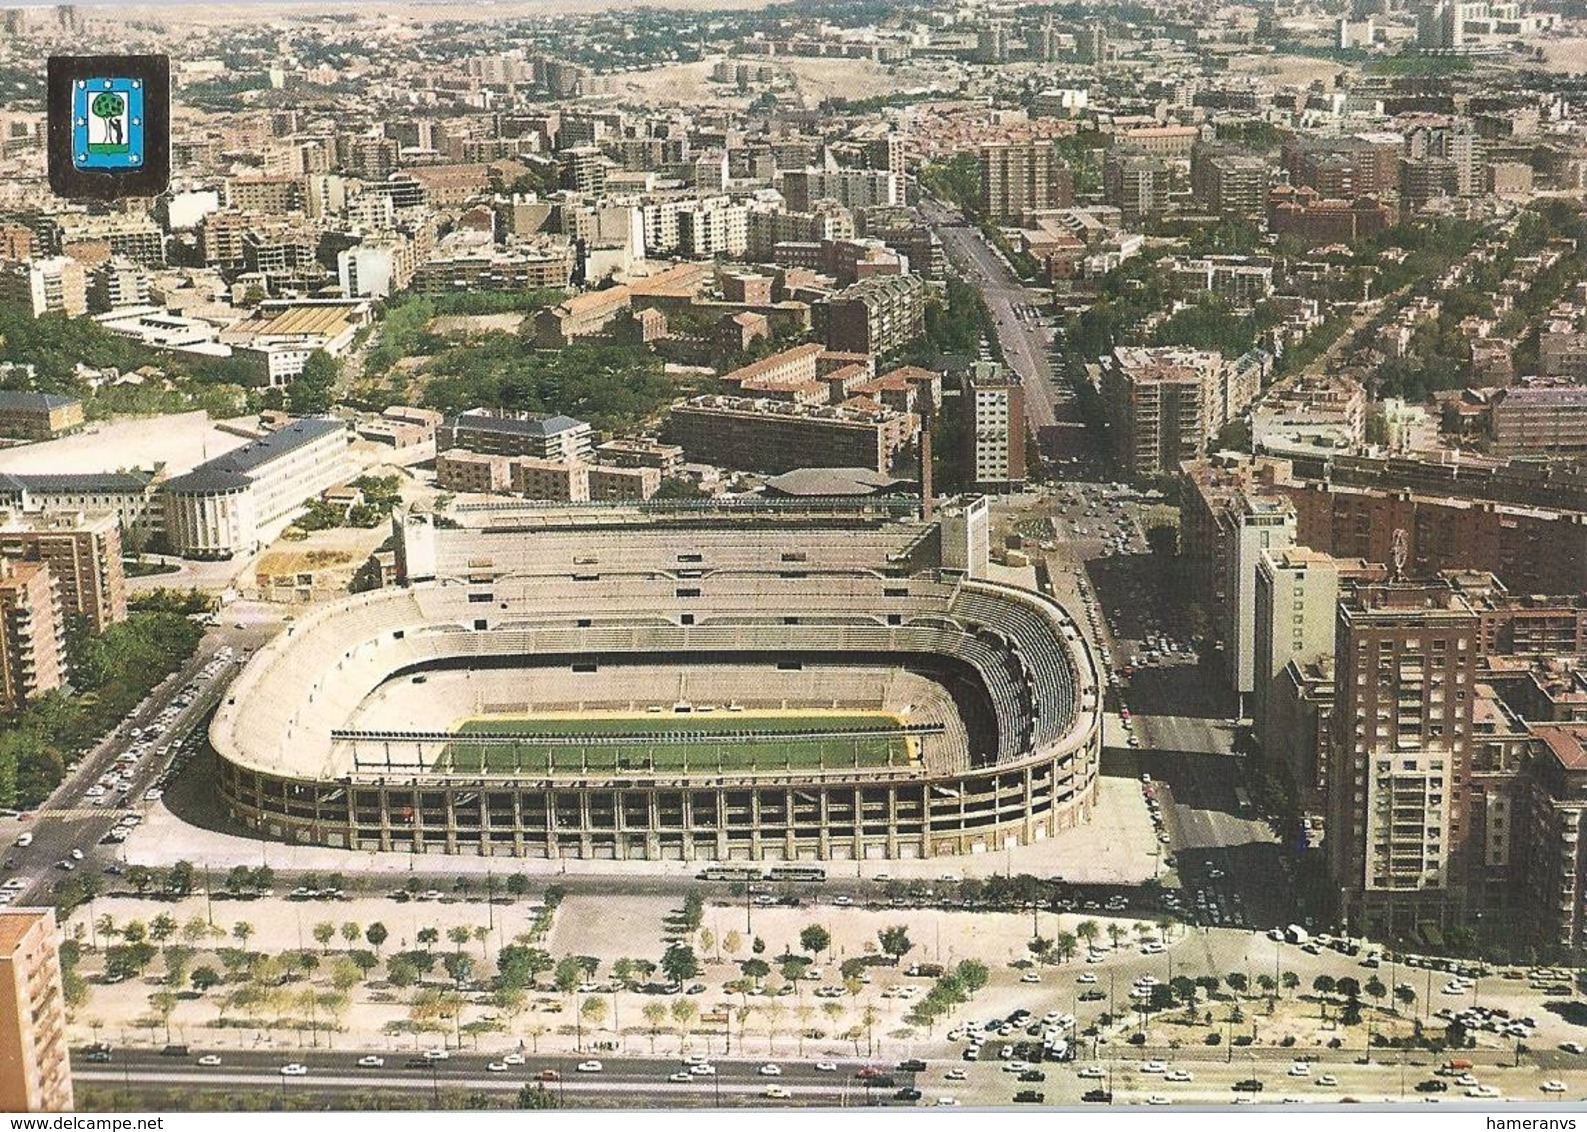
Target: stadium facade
<point>334,734</point>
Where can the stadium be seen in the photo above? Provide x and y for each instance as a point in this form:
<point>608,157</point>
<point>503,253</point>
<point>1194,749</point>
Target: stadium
<point>775,682</point>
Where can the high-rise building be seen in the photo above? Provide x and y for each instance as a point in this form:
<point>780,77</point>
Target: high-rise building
<point>33,647</point>
<point>35,1064</point>
<point>1229,184</point>
<point>1022,177</point>
<point>1260,525</point>
<point>1295,595</point>
<point>1405,666</point>
<point>1135,184</point>
<point>997,432</point>
<point>1091,44</point>
<point>1163,406</point>
<point>83,552</point>
<point>55,285</point>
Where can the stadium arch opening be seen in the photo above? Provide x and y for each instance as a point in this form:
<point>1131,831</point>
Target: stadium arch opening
<point>655,683</point>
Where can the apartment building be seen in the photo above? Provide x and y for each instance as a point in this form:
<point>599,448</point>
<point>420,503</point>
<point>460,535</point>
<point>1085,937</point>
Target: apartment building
<point>457,469</point>
<point>555,437</point>
<point>997,427</point>
<point>778,436</point>
<point>1022,177</point>
<point>33,646</point>
<point>1406,665</point>
<point>52,285</point>
<point>83,552</point>
<point>1539,420</point>
<point>1163,406</point>
<point>880,315</point>
<point>35,1062</point>
<point>1229,184</point>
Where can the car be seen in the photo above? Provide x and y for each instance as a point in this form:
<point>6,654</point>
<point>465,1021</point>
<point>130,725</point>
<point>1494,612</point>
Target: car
<point>1033,1075</point>
<point>907,1093</point>
<point>1097,1096</point>
<point>1016,1067</point>
<point>1091,1073</point>
<point>1482,1092</point>
<point>76,854</point>
<point>1300,1069</point>
<point>1552,1086</point>
<point>911,1065</point>
<point>703,1069</point>
<point>1327,1081</point>
<point>209,1059</point>
<point>770,1070</point>
<point>496,1067</point>
<point>1030,977</point>
<point>513,1059</point>
<point>591,1066</point>
<point>436,1054</point>
<point>371,1061</point>
<point>1086,977</point>
<point>97,1055</point>
<point>1153,1067</point>
<point>826,1067</point>
<point>1432,1085</point>
<point>1157,1099</point>
<point>294,1069</point>
<point>1029,1096</point>
<point>955,1074</point>
<point>681,1077</point>
<point>947,1102</point>
<point>1573,1047</point>
<point>1247,1085</point>
<point>553,1075</point>
<point>1179,1075</point>
<point>1467,1080</point>
<point>776,1093</point>
<point>867,1073</point>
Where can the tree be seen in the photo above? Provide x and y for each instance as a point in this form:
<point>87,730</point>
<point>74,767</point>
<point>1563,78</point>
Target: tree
<point>323,933</point>
<point>204,978</point>
<point>1405,995</point>
<point>352,933</point>
<point>1291,982</point>
<point>459,966</point>
<point>376,934</point>
<point>459,935</point>
<point>655,1016</point>
<point>537,1096</point>
<point>1237,981</point>
<point>1323,984</point>
<point>756,969</point>
<point>428,937</point>
<point>1087,931</point>
<point>140,878</point>
<point>108,106</point>
<point>1064,946</point>
<point>162,928</point>
<point>401,971</point>
<point>895,941</point>
<point>242,931</point>
<point>179,881</point>
<point>732,943</point>
<point>815,939</point>
<point>312,392</point>
<point>679,963</point>
<point>568,974</point>
<point>1375,988</point>
<point>684,1013</point>
<point>593,1010</point>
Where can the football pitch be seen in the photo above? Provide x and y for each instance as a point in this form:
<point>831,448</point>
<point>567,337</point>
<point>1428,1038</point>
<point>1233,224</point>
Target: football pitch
<point>667,743</point>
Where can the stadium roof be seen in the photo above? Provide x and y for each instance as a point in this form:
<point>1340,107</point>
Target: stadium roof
<point>834,481</point>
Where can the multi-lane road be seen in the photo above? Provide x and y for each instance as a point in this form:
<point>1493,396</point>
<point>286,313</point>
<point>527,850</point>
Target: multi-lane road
<point>68,820</point>
<point>1024,340</point>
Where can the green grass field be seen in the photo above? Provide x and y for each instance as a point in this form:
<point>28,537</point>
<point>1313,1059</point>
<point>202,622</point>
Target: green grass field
<point>664,743</point>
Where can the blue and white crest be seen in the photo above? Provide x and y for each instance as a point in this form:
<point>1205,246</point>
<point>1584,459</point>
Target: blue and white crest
<point>107,124</point>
